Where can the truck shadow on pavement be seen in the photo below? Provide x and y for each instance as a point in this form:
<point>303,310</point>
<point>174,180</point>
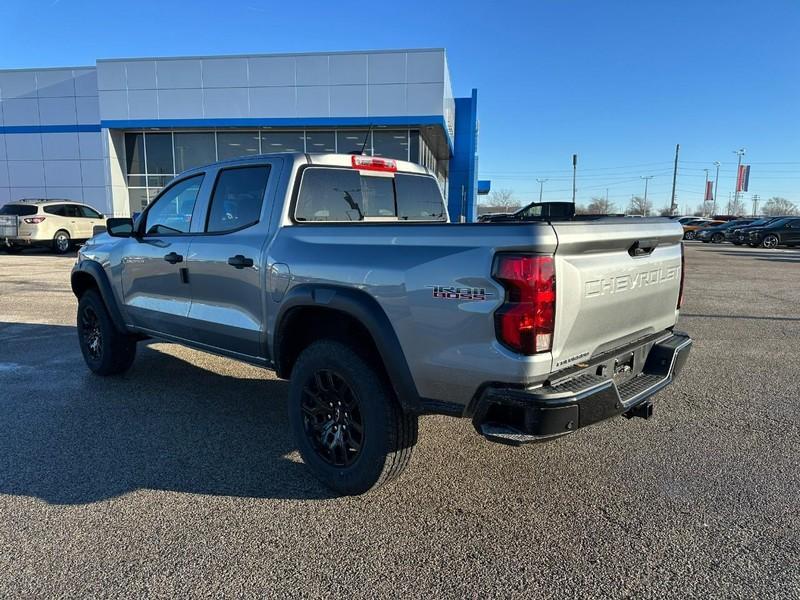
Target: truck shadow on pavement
<point>70,437</point>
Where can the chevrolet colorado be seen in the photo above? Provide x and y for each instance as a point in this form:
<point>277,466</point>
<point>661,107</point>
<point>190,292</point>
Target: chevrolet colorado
<point>343,275</point>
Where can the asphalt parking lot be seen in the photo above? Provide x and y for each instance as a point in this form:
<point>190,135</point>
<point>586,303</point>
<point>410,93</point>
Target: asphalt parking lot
<point>180,478</point>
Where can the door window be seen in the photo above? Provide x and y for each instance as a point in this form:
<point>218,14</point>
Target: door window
<point>89,213</point>
<point>237,198</point>
<point>58,210</point>
<point>172,211</point>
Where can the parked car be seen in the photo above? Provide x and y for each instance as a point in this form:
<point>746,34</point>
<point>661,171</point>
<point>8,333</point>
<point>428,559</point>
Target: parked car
<point>690,228</point>
<point>535,211</point>
<point>56,224</point>
<point>740,235</point>
<point>783,232</point>
<point>343,274</point>
<point>716,234</point>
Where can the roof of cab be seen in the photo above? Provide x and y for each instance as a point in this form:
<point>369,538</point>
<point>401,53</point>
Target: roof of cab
<point>332,160</point>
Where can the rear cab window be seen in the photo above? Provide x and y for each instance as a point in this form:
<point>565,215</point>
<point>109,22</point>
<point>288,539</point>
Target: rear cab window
<point>19,210</point>
<point>332,194</point>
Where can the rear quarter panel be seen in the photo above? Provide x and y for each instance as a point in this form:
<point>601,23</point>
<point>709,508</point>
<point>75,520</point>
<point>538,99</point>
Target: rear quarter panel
<point>448,343</point>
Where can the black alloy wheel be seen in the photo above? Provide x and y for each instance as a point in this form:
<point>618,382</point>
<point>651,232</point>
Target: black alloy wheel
<point>332,418</point>
<point>92,334</point>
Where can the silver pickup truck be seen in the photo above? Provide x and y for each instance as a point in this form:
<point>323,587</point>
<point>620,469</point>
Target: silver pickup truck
<point>343,275</point>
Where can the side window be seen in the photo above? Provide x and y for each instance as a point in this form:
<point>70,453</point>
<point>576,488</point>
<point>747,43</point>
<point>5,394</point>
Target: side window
<point>89,213</point>
<point>55,209</point>
<point>329,195</point>
<point>237,198</point>
<point>73,211</point>
<point>418,198</point>
<point>172,211</point>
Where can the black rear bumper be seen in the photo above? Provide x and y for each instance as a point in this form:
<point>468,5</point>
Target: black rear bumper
<point>516,416</point>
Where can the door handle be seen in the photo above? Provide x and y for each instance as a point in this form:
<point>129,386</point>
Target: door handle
<point>240,262</point>
<point>173,258</point>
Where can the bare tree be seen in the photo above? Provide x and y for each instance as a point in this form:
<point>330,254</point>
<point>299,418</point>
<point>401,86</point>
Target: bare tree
<point>600,206</point>
<point>777,206</point>
<point>737,207</point>
<point>502,199</point>
<point>638,206</point>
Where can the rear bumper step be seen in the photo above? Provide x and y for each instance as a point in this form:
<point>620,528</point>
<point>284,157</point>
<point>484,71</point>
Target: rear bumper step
<point>517,416</point>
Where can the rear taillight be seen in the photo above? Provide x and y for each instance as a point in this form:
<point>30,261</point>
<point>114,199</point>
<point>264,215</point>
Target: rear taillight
<point>525,321</point>
<point>680,290</point>
<point>33,220</point>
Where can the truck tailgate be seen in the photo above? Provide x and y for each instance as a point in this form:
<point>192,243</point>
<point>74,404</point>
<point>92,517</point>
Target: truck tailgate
<point>617,280</point>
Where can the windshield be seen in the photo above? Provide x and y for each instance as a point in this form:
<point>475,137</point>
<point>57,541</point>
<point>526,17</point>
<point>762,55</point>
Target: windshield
<point>780,222</point>
<point>20,210</point>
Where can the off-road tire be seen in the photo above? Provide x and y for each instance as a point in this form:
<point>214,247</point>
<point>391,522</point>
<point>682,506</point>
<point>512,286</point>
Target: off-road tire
<point>116,351</point>
<point>388,432</point>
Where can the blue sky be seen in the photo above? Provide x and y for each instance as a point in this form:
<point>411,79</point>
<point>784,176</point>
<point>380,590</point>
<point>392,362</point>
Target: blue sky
<point>618,82</point>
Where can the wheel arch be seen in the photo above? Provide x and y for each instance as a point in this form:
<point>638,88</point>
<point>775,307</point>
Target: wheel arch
<point>311,312</point>
<point>90,275</point>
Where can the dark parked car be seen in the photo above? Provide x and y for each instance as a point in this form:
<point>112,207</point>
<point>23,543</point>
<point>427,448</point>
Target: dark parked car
<point>716,234</point>
<point>740,235</point>
<point>781,232</point>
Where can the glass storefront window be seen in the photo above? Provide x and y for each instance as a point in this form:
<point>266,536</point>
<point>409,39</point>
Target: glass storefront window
<point>191,150</point>
<point>320,141</point>
<point>413,151</point>
<point>134,152</point>
<point>390,144</point>
<point>234,144</point>
<point>282,141</point>
<point>350,141</point>
<point>137,199</point>
<point>158,153</point>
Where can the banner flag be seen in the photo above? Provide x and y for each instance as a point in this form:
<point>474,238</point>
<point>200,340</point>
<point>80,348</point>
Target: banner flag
<point>743,178</point>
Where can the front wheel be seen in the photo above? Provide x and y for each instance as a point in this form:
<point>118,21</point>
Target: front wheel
<point>717,238</point>
<point>106,350</point>
<point>351,431</point>
<point>771,241</point>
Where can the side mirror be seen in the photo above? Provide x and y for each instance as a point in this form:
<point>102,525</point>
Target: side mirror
<point>122,227</point>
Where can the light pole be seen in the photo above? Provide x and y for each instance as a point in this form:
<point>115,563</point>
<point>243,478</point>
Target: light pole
<point>541,187</point>
<point>740,152</point>
<point>647,179</point>
<point>716,182</point>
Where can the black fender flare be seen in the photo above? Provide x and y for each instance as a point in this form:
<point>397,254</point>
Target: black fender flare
<point>366,310</point>
<point>94,270</point>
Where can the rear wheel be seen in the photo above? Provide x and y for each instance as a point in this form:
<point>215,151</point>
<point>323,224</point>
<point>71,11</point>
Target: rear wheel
<point>106,350</point>
<point>351,431</point>
<point>717,238</point>
<point>689,235</point>
<point>61,242</point>
<point>770,241</point>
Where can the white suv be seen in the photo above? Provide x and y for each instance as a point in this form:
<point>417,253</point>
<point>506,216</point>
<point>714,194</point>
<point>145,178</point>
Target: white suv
<point>53,223</point>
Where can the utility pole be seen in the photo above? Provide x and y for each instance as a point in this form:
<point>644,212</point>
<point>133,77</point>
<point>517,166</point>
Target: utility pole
<point>574,173</point>
<point>756,199</point>
<point>740,152</point>
<point>705,193</point>
<point>673,208</point>
<point>541,187</point>
<point>647,179</point>
<point>716,183</point>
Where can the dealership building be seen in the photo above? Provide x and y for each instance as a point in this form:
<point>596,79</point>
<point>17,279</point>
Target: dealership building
<point>113,134</point>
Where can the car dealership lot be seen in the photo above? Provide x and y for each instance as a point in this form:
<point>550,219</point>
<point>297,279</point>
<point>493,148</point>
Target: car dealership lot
<point>181,478</point>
